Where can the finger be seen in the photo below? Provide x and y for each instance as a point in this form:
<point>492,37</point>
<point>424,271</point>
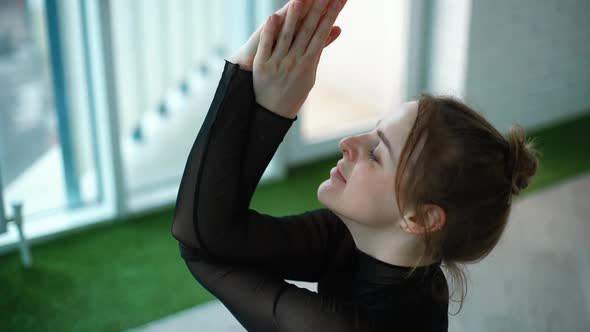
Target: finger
<point>342,3</point>
<point>334,33</point>
<point>266,40</point>
<point>281,14</point>
<point>287,30</point>
<point>306,6</point>
<point>308,27</point>
<point>283,10</point>
<point>320,36</point>
<point>331,38</point>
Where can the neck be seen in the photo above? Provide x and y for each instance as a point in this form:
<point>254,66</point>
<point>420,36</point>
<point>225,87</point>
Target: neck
<point>391,245</point>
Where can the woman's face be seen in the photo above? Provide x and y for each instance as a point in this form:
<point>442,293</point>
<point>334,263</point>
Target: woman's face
<point>367,194</point>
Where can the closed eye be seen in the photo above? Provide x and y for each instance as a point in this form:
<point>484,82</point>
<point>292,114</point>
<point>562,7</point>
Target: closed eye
<point>372,155</point>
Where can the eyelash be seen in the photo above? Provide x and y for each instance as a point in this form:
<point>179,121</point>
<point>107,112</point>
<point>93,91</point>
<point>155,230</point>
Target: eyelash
<point>372,155</point>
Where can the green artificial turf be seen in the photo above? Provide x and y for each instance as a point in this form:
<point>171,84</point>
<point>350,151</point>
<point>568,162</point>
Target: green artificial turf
<point>124,274</point>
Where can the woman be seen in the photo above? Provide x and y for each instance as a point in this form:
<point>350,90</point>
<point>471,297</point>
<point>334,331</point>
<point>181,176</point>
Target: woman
<point>432,183</point>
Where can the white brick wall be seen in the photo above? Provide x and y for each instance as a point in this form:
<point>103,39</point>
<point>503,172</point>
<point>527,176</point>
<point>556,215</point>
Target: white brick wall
<point>528,61</point>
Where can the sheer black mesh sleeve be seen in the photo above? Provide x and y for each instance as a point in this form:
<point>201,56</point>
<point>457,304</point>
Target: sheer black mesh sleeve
<point>242,256</point>
<point>237,140</point>
<point>239,255</point>
<point>263,302</point>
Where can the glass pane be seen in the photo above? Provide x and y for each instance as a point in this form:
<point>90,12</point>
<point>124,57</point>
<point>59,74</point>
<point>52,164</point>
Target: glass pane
<point>45,159</point>
<point>168,58</point>
<point>361,73</point>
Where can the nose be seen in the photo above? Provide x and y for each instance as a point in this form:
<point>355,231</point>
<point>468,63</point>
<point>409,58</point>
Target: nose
<point>348,147</point>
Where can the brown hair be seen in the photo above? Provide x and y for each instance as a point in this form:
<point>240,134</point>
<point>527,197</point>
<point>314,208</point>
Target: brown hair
<point>468,169</point>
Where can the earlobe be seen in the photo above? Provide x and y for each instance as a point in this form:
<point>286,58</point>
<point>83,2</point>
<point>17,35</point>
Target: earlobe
<point>410,225</point>
<point>436,219</point>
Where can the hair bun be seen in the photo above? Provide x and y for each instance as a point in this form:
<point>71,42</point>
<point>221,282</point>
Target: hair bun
<point>523,159</point>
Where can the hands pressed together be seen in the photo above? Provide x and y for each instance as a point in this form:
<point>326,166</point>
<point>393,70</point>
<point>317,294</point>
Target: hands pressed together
<point>286,56</point>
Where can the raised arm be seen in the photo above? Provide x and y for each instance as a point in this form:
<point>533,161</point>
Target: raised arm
<point>233,148</point>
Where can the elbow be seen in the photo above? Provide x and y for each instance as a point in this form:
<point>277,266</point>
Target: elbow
<point>203,241</point>
<point>216,249</point>
<point>189,254</point>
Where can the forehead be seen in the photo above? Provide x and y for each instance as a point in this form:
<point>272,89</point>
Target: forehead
<point>397,124</point>
<point>401,117</point>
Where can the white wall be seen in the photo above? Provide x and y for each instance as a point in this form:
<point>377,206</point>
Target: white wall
<point>368,60</point>
<point>528,60</point>
<point>449,47</point>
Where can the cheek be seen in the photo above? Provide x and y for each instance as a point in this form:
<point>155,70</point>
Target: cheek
<point>371,200</point>
<point>368,196</point>
<point>370,186</point>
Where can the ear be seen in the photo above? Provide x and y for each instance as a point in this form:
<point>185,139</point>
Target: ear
<point>435,220</point>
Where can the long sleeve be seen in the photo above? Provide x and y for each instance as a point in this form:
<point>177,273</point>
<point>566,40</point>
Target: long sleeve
<point>212,216</point>
<point>262,302</point>
<point>240,255</point>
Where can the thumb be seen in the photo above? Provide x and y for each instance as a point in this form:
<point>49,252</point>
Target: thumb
<point>334,34</point>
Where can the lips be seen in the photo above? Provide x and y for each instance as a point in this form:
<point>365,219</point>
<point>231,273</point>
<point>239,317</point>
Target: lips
<point>340,173</point>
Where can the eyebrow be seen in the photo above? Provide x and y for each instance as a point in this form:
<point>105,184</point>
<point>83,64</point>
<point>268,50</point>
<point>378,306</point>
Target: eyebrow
<point>385,141</point>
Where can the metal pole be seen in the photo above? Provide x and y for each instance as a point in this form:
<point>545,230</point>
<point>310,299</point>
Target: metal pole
<point>25,252</point>
<point>3,217</point>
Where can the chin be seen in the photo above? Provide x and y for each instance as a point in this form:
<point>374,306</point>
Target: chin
<point>321,193</point>
<point>330,197</point>
<point>325,194</point>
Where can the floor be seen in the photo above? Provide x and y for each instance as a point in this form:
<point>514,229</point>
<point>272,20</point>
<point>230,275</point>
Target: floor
<point>534,280</point>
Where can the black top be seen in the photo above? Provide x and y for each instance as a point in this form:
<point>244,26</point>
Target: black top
<point>242,256</point>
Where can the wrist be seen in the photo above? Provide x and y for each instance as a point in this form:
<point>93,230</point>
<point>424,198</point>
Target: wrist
<point>238,60</point>
<point>282,113</point>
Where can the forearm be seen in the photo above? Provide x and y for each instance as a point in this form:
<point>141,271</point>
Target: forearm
<point>262,301</point>
<point>235,164</point>
<point>229,111</point>
<point>212,216</point>
<point>235,144</point>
